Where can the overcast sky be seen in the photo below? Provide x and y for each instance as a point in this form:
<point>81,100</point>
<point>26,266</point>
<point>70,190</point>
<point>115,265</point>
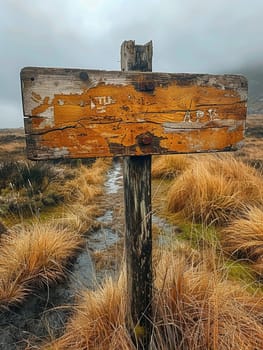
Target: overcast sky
<point>200,36</point>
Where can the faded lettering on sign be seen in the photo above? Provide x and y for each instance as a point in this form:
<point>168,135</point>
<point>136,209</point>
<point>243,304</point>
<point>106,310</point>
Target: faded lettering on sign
<point>198,115</point>
<point>99,103</point>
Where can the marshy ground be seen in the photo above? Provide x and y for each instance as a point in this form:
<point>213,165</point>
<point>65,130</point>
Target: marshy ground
<point>61,250</point>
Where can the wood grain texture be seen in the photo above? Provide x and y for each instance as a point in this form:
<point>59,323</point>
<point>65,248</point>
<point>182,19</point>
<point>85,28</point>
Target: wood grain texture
<point>138,244</point>
<point>72,113</point>
<point>138,223</point>
<point>136,57</point>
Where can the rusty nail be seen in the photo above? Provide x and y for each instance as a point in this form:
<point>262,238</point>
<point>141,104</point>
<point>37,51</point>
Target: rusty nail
<point>146,86</point>
<point>146,139</point>
<point>83,76</point>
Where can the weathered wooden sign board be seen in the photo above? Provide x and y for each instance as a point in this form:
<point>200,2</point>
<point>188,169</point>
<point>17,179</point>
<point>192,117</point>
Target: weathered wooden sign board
<point>72,113</point>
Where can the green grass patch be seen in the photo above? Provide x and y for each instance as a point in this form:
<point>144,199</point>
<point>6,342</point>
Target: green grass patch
<point>199,235</point>
<point>242,272</point>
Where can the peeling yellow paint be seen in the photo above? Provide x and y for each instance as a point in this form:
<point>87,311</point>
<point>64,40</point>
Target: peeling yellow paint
<point>42,107</point>
<point>110,119</point>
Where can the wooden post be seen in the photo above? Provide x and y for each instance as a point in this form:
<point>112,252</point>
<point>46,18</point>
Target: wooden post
<point>80,113</point>
<point>138,239</point>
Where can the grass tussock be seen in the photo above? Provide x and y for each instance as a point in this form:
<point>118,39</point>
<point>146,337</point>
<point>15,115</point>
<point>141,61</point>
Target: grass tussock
<point>82,194</point>
<point>198,309</point>
<point>28,188</point>
<point>195,308</point>
<point>99,321</point>
<point>37,254</point>
<point>215,189</point>
<point>33,256</point>
<point>87,184</point>
<point>169,166</point>
<point>243,238</point>
<point>79,217</point>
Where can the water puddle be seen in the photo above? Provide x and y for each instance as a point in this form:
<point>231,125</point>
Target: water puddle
<point>82,275</point>
<point>102,239</point>
<point>164,226</point>
<point>106,218</point>
<point>167,232</point>
<point>114,178</point>
<point>106,236</point>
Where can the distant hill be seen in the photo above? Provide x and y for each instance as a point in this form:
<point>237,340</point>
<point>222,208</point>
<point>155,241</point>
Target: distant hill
<point>254,74</point>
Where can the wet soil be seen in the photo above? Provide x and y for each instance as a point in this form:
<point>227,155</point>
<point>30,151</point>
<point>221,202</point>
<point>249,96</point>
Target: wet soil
<point>106,241</point>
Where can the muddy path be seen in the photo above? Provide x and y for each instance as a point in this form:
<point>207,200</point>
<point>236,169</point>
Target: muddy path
<point>106,243</point>
<point>104,252</point>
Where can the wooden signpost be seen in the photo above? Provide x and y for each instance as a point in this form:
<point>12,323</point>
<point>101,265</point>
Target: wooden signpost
<point>133,113</point>
<point>138,217</point>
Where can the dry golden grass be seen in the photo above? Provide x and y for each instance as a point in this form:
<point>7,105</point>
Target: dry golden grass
<point>98,322</point>
<point>243,238</point>
<point>34,255</point>
<point>215,189</point>
<point>82,196</point>
<point>195,308</point>
<point>170,165</point>
<point>109,258</point>
<point>79,217</point>
<point>12,144</point>
<point>199,309</point>
<point>87,183</point>
<point>10,147</point>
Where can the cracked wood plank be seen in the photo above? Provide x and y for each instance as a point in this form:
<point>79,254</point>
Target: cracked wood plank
<point>73,113</point>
